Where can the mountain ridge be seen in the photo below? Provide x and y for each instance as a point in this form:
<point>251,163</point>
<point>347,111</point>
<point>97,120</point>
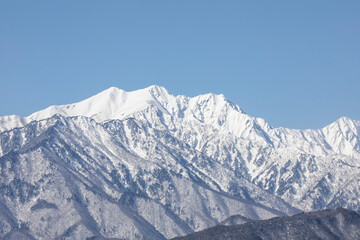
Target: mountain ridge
<point>113,95</point>
<point>325,224</point>
<point>148,155</point>
<point>114,103</point>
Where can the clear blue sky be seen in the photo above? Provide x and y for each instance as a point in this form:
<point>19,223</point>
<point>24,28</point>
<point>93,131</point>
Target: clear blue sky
<point>294,63</point>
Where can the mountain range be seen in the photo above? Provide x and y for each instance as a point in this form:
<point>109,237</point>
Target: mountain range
<point>150,165</point>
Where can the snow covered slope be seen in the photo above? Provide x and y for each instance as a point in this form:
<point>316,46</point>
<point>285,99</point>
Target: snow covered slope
<point>148,155</point>
<point>73,178</point>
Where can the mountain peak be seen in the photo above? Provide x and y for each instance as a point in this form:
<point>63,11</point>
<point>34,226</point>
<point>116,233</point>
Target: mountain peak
<point>345,120</point>
<point>159,92</point>
<point>345,123</point>
<point>151,89</point>
<point>112,89</point>
<point>115,103</point>
<point>156,88</point>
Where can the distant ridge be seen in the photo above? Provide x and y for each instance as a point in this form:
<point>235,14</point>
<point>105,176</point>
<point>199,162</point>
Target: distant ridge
<point>325,224</point>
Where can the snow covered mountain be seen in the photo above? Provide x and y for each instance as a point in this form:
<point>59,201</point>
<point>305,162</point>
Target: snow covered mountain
<point>147,164</point>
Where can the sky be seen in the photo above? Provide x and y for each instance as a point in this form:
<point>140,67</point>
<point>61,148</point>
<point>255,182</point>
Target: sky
<point>294,63</point>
